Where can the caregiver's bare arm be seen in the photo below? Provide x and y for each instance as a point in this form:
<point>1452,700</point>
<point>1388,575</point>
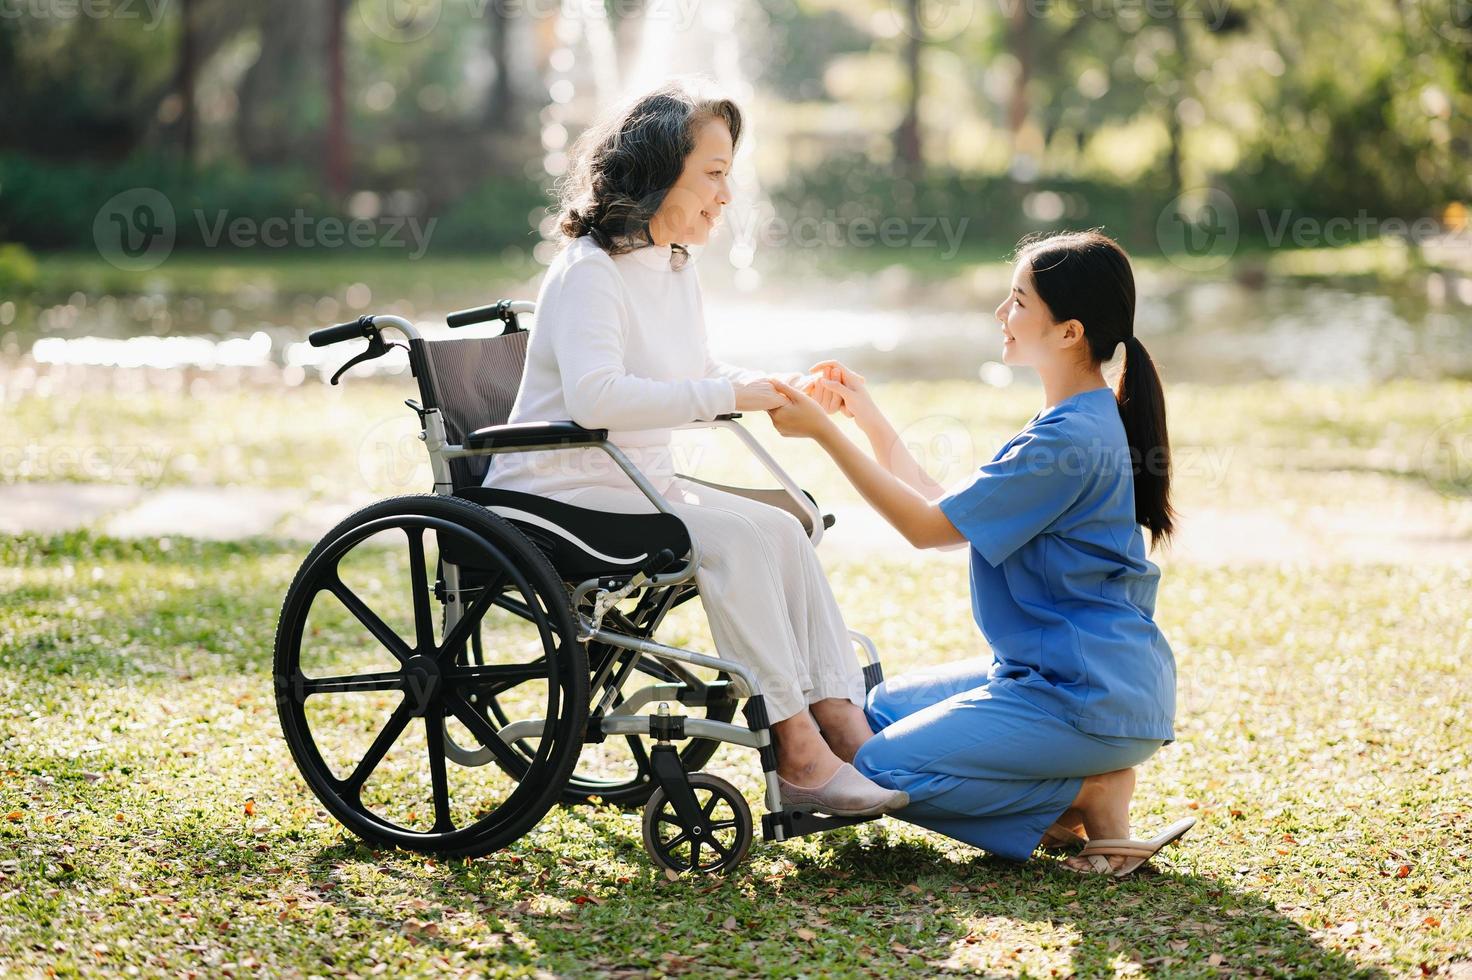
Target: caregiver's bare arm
<point>921,521</point>
<point>889,450</point>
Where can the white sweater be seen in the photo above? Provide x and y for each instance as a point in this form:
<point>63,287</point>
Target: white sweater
<point>618,343</point>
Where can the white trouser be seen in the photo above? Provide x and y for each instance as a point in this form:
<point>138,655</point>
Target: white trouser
<point>763,589</point>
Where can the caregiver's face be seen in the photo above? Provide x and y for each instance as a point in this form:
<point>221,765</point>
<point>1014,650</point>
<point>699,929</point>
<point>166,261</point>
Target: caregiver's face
<point>693,205</point>
<point>1026,321</point>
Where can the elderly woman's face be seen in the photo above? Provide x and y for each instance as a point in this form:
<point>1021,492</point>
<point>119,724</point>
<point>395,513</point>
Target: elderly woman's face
<point>693,205</point>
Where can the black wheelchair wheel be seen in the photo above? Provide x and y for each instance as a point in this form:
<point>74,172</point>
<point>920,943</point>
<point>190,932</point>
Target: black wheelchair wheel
<point>716,846</point>
<point>368,688</point>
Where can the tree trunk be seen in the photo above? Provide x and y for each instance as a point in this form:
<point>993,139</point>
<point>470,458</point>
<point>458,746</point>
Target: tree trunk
<point>908,153</point>
<point>1019,42</point>
<point>500,105</point>
<point>1175,165</point>
<point>188,58</point>
<point>336,157</point>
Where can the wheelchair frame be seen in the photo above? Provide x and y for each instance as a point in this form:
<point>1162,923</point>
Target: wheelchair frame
<point>605,593</point>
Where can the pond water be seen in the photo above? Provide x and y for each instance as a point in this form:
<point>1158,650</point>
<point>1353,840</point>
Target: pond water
<point>1216,331</point>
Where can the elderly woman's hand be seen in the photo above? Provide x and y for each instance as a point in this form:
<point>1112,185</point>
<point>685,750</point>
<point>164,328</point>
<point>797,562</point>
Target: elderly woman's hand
<point>758,396</point>
<point>801,416</point>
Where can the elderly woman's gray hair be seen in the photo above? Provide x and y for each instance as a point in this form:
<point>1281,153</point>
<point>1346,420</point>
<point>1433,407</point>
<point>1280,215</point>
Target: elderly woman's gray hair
<point>624,164</point>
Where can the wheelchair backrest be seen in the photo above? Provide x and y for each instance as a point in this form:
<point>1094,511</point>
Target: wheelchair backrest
<point>473,382</point>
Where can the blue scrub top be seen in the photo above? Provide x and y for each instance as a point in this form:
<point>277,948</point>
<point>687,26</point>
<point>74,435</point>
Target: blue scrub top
<point>1060,584</point>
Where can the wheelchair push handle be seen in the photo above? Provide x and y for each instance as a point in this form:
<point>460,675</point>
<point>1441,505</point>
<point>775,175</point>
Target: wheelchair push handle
<point>343,331</point>
<point>506,311</point>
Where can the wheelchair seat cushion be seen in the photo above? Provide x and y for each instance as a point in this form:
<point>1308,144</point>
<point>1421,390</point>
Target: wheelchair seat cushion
<point>581,543</point>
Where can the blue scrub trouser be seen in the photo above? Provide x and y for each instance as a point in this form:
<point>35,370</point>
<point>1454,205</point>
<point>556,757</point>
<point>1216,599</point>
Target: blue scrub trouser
<point>981,763</point>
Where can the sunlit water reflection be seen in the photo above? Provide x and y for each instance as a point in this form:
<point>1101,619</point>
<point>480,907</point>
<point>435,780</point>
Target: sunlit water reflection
<point>1201,331</point>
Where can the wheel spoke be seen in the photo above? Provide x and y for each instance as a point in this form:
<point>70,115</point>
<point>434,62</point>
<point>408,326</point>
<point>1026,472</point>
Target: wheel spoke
<point>717,846</point>
<point>722,825</point>
<point>423,617</point>
<point>496,678</point>
<point>397,722</point>
<point>471,619</point>
<point>380,630</point>
<point>483,731</point>
<point>515,606</point>
<point>434,734</point>
<point>695,843</point>
<point>710,805</point>
<point>676,841</point>
<point>387,680</point>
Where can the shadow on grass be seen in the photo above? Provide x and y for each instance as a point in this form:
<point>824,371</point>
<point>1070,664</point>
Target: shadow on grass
<point>891,908</point>
<point>1168,921</point>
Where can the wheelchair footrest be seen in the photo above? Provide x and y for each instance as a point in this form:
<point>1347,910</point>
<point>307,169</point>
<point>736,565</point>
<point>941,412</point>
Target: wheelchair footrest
<point>787,824</point>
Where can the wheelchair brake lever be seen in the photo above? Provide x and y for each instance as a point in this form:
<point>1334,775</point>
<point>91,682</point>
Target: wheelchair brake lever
<point>377,347</point>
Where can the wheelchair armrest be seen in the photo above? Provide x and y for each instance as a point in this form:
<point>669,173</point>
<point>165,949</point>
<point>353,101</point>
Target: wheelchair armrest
<point>513,435</point>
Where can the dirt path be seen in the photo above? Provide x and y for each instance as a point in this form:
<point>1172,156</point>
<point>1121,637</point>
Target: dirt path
<point>1209,536</point>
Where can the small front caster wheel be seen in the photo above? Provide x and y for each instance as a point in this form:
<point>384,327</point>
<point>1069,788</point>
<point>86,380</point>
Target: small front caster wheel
<point>714,846</point>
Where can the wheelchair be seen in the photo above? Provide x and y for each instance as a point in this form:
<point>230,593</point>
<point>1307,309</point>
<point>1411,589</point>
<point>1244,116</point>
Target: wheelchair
<point>448,666</point>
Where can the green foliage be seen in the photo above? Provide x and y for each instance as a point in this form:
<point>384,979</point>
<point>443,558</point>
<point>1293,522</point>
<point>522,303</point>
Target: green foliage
<point>50,205</point>
<point>495,215</point>
<point>994,206</point>
<point>17,267</point>
<point>54,206</point>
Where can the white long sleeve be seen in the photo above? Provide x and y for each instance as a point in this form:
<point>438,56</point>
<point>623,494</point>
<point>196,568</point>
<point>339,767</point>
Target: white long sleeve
<point>589,342</point>
<point>617,343</point>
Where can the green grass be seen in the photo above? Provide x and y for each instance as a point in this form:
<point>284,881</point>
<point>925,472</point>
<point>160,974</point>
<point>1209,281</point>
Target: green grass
<point>150,815</point>
<point>152,818</point>
<point>1274,446</point>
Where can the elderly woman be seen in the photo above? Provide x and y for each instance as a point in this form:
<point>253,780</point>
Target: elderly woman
<point>620,343</point>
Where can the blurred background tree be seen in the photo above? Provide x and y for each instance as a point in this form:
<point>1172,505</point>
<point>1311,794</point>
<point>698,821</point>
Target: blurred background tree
<point>463,110</point>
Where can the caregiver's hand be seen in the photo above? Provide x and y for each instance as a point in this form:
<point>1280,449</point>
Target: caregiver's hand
<point>841,387</point>
<point>758,396</point>
<point>801,416</point>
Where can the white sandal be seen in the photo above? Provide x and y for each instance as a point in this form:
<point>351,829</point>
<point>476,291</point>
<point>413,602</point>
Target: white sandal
<point>1135,852</point>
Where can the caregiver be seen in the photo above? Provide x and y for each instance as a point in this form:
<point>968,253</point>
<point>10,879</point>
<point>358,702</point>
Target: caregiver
<point>1038,742</point>
<point>619,343</point>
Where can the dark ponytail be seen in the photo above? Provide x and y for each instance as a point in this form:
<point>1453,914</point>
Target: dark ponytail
<point>1086,276</point>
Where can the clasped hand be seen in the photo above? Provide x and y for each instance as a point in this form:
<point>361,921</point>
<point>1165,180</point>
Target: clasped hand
<point>800,405</point>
